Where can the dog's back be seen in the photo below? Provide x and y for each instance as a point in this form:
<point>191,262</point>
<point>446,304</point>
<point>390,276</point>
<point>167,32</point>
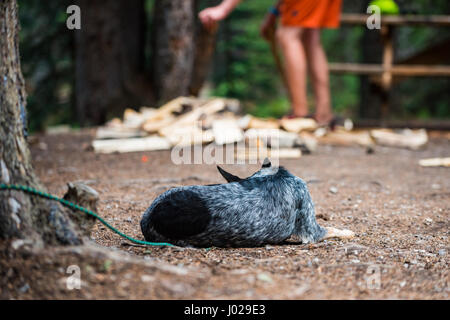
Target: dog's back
<point>248,212</point>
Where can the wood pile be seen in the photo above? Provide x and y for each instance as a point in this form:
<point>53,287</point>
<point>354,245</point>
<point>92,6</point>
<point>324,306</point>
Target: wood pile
<point>188,121</point>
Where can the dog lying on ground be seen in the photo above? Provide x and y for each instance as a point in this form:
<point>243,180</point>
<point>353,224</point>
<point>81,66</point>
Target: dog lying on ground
<point>266,208</point>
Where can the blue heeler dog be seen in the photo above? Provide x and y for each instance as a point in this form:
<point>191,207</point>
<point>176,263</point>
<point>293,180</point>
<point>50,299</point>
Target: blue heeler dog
<point>266,208</point>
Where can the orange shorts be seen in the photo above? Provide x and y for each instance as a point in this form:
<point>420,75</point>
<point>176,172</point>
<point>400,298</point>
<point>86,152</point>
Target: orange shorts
<point>311,13</point>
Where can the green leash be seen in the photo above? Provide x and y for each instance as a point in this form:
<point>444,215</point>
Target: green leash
<point>79,208</point>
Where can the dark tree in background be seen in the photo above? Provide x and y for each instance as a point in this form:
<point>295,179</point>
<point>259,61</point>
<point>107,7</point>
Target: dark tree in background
<point>109,62</point>
<point>174,46</point>
<point>21,216</point>
<point>110,55</point>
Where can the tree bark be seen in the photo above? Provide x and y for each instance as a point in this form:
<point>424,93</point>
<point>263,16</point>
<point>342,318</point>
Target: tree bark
<point>205,44</point>
<point>204,50</point>
<point>110,59</point>
<point>174,47</point>
<point>21,215</point>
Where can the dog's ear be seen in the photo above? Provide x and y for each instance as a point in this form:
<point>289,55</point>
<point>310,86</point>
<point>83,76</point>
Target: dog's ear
<point>228,176</point>
<point>266,163</point>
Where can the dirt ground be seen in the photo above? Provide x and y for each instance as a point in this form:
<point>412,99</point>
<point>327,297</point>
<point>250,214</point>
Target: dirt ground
<point>399,211</point>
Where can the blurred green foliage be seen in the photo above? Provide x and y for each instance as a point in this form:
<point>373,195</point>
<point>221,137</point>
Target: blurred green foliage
<point>243,65</point>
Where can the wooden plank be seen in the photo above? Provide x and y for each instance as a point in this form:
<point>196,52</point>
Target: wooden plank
<point>309,141</point>
<point>274,137</point>
<point>299,124</point>
<point>285,153</point>
<point>118,133</point>
<point>347,138</point>
<point>152,126</point>
<point>188,135</point>
<point>435,162</point>
<point>226,131</point>
<point>190,118</point>
<point>388,57</point>
<point>262,153</point>
<point>260,123</point>
<point>426,20</point>
<point>411,139</point>
<point>356,68</point>
<point>420,70</point>
<point>150,143</point>
<point>175,105</point>
<point>396,70</point>
<point>386,76</point>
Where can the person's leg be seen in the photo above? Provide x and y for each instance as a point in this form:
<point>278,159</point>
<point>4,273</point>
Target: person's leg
<point>295,68</point>
<point>318,67</point>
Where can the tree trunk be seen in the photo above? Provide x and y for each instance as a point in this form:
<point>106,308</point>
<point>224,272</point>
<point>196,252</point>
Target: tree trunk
<point>370,93</point>
<point>21,215</point>
<point>205,43</point>
<point>174,47</point>
<point>110,59</point>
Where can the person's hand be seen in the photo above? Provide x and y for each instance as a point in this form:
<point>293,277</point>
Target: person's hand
<point>268,26</point>
<point>211,16</point>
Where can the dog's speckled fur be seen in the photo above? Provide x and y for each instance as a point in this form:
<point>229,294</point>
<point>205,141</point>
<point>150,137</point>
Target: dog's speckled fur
<point>265,208</point>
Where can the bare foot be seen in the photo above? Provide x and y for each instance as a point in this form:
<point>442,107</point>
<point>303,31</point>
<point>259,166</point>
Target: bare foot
<point>338,233</point>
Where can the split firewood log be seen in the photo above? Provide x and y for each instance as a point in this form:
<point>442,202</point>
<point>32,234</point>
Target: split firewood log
<point>406,138</point>
<point>226,131</point>
<point>299,124</point>
<point>149,143</point>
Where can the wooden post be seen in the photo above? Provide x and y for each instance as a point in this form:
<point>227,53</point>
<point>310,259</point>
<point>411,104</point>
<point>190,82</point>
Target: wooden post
<point>388,58</point>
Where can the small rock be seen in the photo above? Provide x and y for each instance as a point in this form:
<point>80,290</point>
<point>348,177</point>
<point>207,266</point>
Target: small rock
<point>402,284</point>
<point>442,252</point>
<point>333,190</point>
<point>299,291</point>
<point>24,288</point>
<point>147,278</point>
<point>264,277</point>
<point>16,244</point>
<point>42,146</point>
